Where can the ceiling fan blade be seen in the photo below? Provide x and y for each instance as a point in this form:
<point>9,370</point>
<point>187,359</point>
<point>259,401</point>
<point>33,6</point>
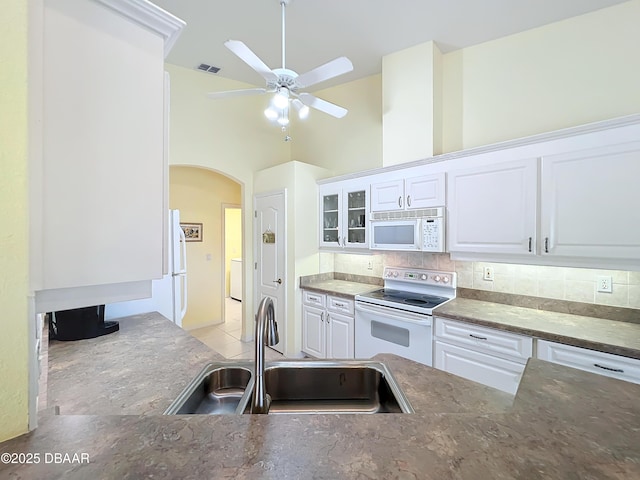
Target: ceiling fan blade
<point>251,59</point>
<point>338,66</point>
<point>237,93</point>
<point>322,105</point>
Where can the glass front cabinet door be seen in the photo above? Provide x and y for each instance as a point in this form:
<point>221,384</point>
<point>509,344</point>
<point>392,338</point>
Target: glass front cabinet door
<point>331,218</point>
<point>343,217</point>
<point>355,219</point>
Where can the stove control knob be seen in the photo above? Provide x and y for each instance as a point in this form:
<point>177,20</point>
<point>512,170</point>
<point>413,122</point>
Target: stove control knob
<point>395,274</point>
<point>437,278</point>
<point>423,277</point>
<point>445,279</point>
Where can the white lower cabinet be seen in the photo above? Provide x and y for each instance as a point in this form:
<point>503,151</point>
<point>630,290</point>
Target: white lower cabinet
<point>482,368</point>
<point>615,366</point>
<point>485,355</point>
<point>327,326</point>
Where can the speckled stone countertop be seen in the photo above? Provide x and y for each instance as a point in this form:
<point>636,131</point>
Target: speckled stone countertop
<point>138,370</point>
<point>610,336</point>
<point>341,285</point>
<point>621,338</point>
<point>564,423</point>
<point>341,288</point>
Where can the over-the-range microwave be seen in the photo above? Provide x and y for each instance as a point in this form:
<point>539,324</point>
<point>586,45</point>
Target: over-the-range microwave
<point>409,230</point>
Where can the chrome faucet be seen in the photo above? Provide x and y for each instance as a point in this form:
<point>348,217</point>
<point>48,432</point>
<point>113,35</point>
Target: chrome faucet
<point>266,334</point>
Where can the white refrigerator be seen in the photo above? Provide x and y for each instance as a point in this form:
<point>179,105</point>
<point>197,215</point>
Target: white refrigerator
<point>169,294</point>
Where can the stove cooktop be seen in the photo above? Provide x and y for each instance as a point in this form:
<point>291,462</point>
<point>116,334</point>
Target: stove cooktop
<point>421,300</point>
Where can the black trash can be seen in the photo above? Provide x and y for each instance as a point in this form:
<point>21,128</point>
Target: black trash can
<point>80,324</point>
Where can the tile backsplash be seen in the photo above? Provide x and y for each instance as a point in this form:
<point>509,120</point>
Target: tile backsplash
<point>562,283</point>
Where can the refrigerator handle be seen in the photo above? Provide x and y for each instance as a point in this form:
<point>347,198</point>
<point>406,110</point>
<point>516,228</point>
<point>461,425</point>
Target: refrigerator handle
<point>183,307</point>
<point>183,271</point>
<point>183,251</point>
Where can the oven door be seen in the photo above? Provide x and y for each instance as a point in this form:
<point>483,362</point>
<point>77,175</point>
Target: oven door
<point>389,330</point>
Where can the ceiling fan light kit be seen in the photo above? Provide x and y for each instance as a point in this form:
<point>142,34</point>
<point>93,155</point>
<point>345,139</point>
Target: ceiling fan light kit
<point>286,84</point>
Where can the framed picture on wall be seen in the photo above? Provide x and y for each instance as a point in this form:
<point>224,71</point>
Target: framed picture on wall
<point>192,231</point>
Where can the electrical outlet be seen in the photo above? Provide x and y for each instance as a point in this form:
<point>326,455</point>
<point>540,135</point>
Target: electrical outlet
<point>488,273</point>
<point>370,265</point>
<point>604,284</point>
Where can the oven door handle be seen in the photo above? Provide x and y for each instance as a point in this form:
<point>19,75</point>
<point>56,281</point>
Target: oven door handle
<point>394,314</point>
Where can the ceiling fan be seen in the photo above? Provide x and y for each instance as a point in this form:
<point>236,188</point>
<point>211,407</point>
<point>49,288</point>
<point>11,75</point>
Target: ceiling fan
<point>286,83</point>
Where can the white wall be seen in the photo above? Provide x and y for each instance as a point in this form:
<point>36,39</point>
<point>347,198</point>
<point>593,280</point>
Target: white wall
<point>302,236</point>
<point>411,104</point>
<point>14,218</point>
<point>350,144</point>
<point>230,136</point>
<point>568,73</point>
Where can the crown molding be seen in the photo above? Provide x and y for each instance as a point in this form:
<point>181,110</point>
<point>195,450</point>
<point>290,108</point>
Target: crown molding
<point>151,16</point>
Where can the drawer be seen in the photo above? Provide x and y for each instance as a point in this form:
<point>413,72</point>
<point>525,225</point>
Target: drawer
<point>340,305</point>
<point>607,364</point>
<point>313,298</point>
<point>482,339</point>
<point>479,367</point>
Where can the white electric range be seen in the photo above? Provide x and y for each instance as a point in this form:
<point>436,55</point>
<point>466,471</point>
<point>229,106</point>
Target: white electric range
<point>398,318</point>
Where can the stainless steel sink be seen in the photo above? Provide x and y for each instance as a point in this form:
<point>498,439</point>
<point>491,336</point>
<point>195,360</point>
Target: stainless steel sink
<point>216,390</point>
<point>333,387</point>
<point>296,387</point>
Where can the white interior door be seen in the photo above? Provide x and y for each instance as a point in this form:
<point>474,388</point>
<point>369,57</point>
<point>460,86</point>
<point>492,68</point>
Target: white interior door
<point>270,255</point>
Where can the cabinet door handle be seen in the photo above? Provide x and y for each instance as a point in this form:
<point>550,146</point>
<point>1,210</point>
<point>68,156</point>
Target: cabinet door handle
<point>400,201</point>
<point>328,316</point>
<point>619,370</point>
<point>408,200</point>
<point>546,244</point>
<point>338,240</point>
<point>530,240</point>
<point>322,317</point>
<point>477,337</point>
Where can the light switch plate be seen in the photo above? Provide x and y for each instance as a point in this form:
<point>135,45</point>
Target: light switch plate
<point>487,274</point>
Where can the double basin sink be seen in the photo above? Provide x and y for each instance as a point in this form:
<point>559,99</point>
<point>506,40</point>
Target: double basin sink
<point>295,386</point>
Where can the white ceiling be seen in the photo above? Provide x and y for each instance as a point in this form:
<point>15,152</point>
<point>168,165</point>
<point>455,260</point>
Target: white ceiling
<point>362,30</point>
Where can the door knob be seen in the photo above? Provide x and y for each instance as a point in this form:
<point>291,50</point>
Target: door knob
<point>278,281</point>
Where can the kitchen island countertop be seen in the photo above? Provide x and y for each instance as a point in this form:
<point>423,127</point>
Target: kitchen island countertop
<point>564,423</point>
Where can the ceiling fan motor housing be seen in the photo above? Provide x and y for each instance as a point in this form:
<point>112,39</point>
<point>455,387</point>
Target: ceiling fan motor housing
<point>286,78</point>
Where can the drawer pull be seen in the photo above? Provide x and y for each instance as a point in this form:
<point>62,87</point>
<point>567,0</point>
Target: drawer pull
<point>618,370</point>
<point>339,304</point>
<point>477,337</point>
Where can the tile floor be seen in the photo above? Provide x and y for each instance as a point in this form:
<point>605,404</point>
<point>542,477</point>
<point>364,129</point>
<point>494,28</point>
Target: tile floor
<point>226,337</point>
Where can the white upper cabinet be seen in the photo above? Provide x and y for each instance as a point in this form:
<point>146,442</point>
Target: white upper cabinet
<point>572,202</point>
<point>344,211</point>
<point>409,193</point>
<point>492,208</point>
<point>590,203</point>
<point>100,182</point>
